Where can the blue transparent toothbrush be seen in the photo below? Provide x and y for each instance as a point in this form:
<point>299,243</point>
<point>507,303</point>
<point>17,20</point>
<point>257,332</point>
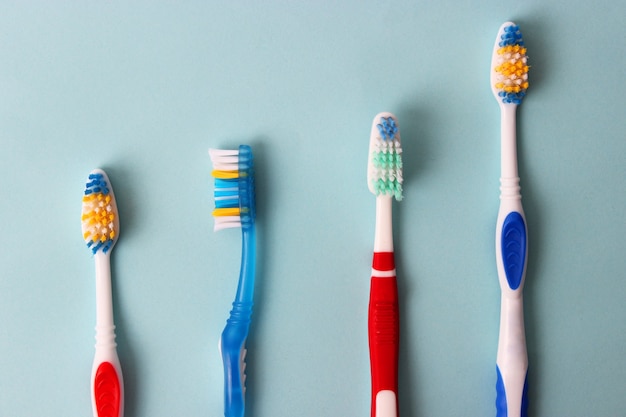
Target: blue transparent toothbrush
<point>235,207</point>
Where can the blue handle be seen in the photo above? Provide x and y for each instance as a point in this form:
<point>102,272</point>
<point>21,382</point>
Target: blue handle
<point>513,241</point>
<point>501,405</point>
<point>233,348</point>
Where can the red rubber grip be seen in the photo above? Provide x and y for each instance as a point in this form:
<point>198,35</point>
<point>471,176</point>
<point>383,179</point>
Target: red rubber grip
<point>384,336</point>
<point>107,391</point>
<point>383,261</point>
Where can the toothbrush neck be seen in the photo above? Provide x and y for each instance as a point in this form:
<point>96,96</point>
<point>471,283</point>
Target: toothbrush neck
<point>104,303</point>
<point>245,287</point>
<point>508,146</point>
<point>383,238</point>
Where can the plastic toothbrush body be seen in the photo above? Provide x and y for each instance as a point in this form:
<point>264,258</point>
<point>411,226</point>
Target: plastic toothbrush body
<point>235,207</point>
<point>385,181</point>
<point>100,227</point>
<point>235,333</point>
<point>509,81</point>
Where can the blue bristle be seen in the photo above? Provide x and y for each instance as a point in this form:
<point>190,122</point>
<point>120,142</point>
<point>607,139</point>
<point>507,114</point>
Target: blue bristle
<point>226,188</point>
<point>230,203</point>
<point>107,246</point>
<point>95,248</point>
<point>225,193</point>
<point>96,185</point>
<point>226,183</point>
<point>387,128</point>
<point>515,98</point>
<point>511,36</point>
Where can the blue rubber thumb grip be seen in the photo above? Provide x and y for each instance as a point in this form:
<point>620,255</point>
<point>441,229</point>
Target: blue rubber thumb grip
<point>501,405</point>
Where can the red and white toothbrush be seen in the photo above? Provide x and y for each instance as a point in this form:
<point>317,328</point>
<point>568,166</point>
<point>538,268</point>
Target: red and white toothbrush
<point>385,181</point>
<point>101,227</point>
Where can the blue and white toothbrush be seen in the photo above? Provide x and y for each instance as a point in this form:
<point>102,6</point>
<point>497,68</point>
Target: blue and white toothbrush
<point>509,81</point>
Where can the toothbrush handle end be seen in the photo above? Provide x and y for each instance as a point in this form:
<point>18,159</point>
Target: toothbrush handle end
<point>232,346</point>
<point>384,335</point>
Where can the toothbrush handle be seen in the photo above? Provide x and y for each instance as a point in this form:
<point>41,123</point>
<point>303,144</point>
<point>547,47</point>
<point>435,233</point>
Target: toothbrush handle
<point>511,252</point>
<point>232,345</point>
<point>384,332</point>
<point>107,386</point>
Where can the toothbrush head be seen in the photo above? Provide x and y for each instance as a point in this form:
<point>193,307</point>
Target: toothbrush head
<point>384,172</point>
<point>234,193</point>
<point>100,222</point>
<point>509,65</point>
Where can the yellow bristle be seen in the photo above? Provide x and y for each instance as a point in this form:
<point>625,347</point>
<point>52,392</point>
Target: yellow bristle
<point>220,212</point>
<point>225,175</point>
<point>512,49</point>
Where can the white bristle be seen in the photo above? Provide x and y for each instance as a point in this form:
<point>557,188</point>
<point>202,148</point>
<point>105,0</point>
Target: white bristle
<point>226,222</point>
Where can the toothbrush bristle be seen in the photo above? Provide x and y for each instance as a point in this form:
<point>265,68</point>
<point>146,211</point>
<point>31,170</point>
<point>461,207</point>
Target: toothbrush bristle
<point>385,174</point>
<point>234,187</point>
<point>510,66</point>
<point>99,214</point>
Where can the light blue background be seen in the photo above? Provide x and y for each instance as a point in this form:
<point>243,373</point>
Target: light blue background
<point>143,89</point>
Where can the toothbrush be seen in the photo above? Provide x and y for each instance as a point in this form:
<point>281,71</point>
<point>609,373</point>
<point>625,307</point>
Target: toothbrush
<point>235,207</point>
<point>100,226</point>
<point>509,81</point>
<point>384,177</point>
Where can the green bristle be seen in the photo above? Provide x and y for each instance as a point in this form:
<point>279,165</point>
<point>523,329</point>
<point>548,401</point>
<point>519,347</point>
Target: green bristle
<point>387,180</point>
<point>387,160</point>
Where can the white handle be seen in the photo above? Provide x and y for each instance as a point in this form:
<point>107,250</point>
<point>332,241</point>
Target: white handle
<point>107,384</point>
<point>511,259</point>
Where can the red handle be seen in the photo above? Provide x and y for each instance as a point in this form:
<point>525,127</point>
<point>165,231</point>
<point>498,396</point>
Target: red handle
<point>383,327</point>
<point>107,391</point>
